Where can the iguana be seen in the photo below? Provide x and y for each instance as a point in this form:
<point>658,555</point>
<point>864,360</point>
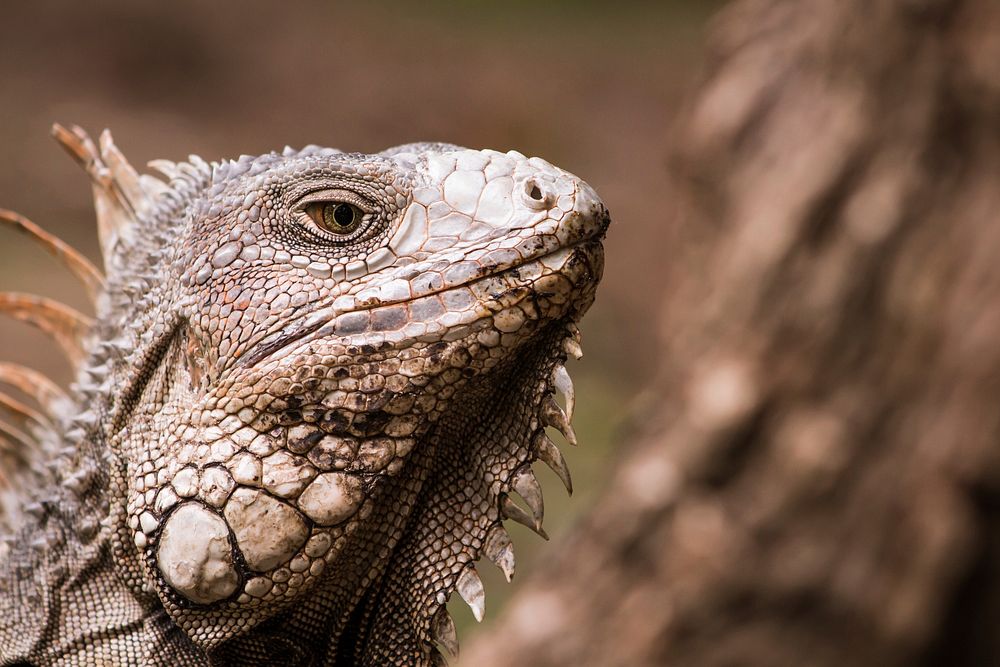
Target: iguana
<point>314,381</point>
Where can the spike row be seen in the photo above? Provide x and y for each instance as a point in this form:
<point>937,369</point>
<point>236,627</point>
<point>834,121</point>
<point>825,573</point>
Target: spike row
<point>498,547</point>
<point>121,195</point>
<point>553,415</point>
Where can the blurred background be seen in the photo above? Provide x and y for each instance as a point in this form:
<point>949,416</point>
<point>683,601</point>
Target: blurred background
<point>590,86</point>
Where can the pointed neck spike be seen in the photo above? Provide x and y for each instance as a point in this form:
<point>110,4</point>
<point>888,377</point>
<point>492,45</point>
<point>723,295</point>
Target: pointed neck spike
<point>564,385</point>
<point>499,549</point>
<point>514,512</point>
<point>526,486</point>
<point>470,587</point>
<point>550,455</point>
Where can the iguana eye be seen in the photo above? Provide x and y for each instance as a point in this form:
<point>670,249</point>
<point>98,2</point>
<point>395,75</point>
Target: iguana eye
<point>336,217</point>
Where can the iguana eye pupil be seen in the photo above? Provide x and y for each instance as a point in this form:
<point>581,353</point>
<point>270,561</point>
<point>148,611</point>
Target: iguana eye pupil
<point>336,217</point>
<point>339,217</point>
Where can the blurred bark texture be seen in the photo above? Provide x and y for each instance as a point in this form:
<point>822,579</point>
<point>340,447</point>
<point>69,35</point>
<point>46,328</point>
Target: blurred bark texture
<point>815,476</point>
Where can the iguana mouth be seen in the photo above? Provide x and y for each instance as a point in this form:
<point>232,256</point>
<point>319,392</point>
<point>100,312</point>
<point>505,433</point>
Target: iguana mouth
<point>483,295</point>
<point>492,297</point>
<point>332,320</point>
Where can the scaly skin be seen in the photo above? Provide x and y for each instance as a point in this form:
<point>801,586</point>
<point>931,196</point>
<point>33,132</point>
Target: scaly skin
<point>291,440</point>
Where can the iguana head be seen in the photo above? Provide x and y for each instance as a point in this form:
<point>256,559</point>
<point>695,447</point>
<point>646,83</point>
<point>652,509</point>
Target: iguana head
<point>341,367</point>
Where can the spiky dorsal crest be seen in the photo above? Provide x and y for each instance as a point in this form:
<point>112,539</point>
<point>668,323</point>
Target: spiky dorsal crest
<point>121,197</point>
<point>123,200</point>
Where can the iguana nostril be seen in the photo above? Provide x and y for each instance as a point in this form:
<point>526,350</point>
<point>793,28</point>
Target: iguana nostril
<point>536,195</point>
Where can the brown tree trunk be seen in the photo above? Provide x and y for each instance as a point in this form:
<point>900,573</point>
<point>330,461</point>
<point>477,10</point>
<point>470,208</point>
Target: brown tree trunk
<point>818,478</point>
